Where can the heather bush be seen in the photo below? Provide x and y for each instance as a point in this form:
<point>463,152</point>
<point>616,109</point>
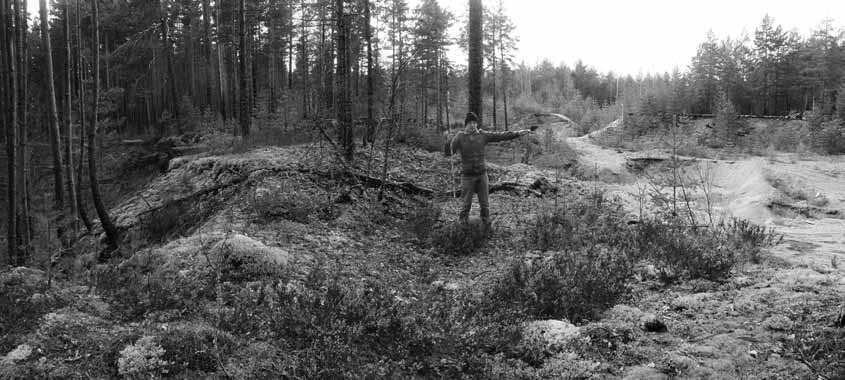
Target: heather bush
<point>683,252</point>
<point>290,201</point>
<point>582,223</point>
<point>686,252</point>
<point>447,238</point>
<point>748,238</point>
<point>22,302</point>
<point>144,357</point>
<point>421,221</point>
<point>576,283</point>
<point>460,238</point>
<point>326,326</point>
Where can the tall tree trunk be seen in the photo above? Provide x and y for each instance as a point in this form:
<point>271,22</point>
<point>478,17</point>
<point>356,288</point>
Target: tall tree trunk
<point>439,95</point>
<point>476,60</point>
<point>290,47</point>
<point>244,114</point>
<point>502,66</point>
<point>303,63</point>
<point>10,95</point>
<point>253,59</point>
<point>221,71</point>
<point>504,85</point>
<point>69,126</point>
<point>446,100</point>
<point>168,56</point>
<point>189,57</point>
<point>273,36</point>
<point>105,220</point>
<point>368,34</point>
<point>80,84</point>
<point>22,164</point>
<point>55,143</point>
<point>234,77</point>
<point>344,106</point>
<point>495,98</point>
<point>108,57</point>
<point>324,100</point>
<point>206,36</point>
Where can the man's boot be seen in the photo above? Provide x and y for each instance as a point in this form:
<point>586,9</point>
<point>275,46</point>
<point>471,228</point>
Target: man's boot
<point>485,219</point>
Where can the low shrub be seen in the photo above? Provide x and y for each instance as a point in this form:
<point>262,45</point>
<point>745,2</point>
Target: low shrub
<point>448,238</point>
<point>421,221</point>
<point>193,347</point>
<point>460,238</point>
<point>143,358</point>
<point>686,252</point>
<point>292,202</point>
<point>748,238</point>
<point>22,302</point>
<point>582,223</point>
<point>142,285</point>
<point>576,284</point>
<point>683,252</point>
<point>329,326</point>
<point>181,277</point>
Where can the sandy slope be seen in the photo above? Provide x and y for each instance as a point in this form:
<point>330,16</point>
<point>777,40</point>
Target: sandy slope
<point>742,189</point>
<point>734,328</point>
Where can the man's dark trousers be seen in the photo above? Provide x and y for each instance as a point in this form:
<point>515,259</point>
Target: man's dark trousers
<point>471,185</point>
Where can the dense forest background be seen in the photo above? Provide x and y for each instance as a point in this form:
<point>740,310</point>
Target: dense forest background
<point>83,74</point>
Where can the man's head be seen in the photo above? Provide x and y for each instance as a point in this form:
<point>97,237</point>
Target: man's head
<point>471,122</point>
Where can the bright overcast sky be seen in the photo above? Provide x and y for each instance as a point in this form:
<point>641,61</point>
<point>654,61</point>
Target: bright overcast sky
<point>633,36</point>
<point>637,36</point>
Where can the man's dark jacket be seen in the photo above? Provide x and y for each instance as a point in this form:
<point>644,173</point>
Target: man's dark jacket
<point>471,147</point>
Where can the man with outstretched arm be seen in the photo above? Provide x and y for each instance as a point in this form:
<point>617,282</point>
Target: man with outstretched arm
<point>470,143</point>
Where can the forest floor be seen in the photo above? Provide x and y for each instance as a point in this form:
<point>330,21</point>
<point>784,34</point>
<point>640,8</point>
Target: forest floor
<point>291,207</point>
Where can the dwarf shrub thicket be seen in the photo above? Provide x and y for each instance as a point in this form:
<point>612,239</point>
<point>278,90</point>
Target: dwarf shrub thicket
<point>447,238</point>
<point>291,202</point>
<point>574,283</point>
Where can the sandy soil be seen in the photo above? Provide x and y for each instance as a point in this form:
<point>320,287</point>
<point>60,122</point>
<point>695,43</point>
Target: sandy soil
<point>804,280</point>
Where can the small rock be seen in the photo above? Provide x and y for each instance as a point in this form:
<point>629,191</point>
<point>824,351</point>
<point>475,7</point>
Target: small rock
<point>650,323</point>
<point>644,373</point>
<point>778,323</point>
<point>625,313</point>
<point>442,285</point>
<point>552,335</point>
<point>21,352</point>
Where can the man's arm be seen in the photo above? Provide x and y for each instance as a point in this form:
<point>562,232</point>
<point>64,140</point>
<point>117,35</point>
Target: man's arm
<point>504,136</point>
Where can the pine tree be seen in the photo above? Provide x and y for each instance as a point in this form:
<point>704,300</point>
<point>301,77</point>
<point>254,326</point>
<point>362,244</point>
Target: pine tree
<point>476,60</point>
<point>368,35</point>
<point>55,134</point>
<point>344,101</point>
<point>10,97</point>
<point>72,189</point>
<point>108,226</point>
<point>727,121</point>
<point>242,57</point>
<point>83,214</point>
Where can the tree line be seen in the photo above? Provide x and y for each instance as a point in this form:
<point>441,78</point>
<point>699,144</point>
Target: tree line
<point>81,69</point>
